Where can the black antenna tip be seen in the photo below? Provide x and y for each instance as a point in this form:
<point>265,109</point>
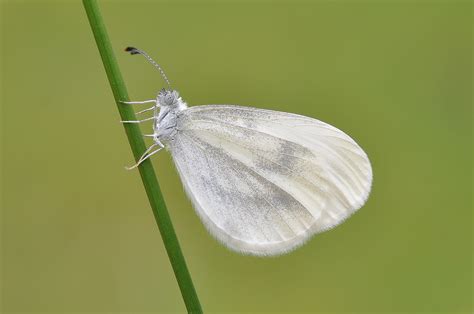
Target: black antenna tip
<point>132,50</point>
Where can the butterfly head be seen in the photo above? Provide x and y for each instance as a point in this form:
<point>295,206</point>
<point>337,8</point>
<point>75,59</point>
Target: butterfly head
<point>167,98</point>
<point>171,99</point>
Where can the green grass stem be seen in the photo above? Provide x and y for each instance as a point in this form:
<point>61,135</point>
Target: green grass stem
<point>146,170</point>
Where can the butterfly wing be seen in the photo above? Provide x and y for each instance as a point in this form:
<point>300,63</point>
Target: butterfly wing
<point>265,181</point>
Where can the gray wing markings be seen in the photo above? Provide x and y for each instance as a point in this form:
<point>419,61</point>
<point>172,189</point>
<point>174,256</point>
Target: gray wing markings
<point>344,161</point>
<point>199,145</point>
<point>279,189</point>
<point>293,171</point>
<point>345,183</point>
<point>213,175</point>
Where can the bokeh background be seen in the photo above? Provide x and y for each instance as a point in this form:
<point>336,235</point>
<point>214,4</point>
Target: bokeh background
<point>77,231</point>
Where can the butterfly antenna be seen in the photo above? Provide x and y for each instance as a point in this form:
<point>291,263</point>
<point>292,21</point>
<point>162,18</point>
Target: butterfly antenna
<point>135,51</point>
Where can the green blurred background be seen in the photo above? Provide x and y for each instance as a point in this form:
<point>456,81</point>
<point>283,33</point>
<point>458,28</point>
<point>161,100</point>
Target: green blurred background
<point>77,231</point>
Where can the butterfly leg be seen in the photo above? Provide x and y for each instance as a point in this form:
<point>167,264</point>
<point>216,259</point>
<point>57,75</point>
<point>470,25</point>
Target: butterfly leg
<point>142,102</point>
<point>157,141</point>
<point>138,121</point>
<point>147,155</point>
<point>138,102</point>
<point>145,110</point>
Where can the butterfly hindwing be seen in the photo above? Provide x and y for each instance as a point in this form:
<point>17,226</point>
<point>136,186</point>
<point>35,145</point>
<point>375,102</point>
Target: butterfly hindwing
<point>264,181</point>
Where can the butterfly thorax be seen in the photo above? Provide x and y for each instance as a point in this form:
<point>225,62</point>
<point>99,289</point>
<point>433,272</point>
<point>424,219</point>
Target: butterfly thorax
<point>169,104</point>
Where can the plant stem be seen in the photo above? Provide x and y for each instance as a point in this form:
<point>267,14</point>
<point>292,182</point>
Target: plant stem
<point>146,170</point>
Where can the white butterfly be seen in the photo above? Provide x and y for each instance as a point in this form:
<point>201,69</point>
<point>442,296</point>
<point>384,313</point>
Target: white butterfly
<point>263,182</point>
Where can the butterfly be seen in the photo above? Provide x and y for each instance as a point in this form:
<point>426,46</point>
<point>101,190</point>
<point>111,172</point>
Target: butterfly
<point>263,182</point>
